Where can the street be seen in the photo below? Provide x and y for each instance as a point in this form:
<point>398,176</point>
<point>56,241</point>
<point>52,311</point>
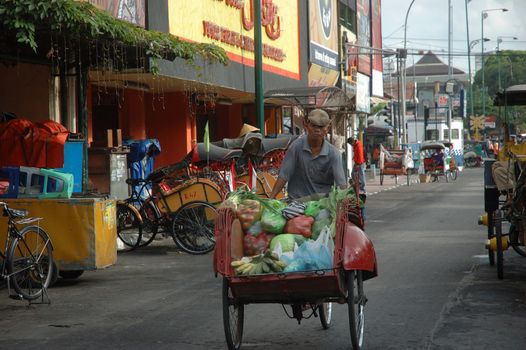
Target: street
<point>435,290</point>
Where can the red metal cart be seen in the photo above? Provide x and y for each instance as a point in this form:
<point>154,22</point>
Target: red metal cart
<point>310,291</point>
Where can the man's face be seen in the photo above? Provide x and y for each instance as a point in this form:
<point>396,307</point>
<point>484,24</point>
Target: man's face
<point>316,131</point>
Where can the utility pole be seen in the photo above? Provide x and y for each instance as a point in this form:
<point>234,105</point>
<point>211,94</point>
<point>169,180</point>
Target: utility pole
<point>449,68</point>
<point>258,67</point>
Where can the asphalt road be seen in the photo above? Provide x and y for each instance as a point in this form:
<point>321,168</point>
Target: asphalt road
<point>431,260</point>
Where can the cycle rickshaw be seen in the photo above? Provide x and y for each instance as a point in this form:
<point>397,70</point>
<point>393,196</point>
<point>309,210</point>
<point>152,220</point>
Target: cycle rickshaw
<point>436,163</point>
<point>506,209</point>
<point>396,163</point>
<point>181,201</point>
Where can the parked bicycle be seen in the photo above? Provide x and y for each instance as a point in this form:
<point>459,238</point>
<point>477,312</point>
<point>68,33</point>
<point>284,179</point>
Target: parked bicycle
<point>27,259</point>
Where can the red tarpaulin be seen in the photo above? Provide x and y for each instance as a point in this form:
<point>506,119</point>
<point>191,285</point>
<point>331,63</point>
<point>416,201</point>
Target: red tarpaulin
<point>24,143</point>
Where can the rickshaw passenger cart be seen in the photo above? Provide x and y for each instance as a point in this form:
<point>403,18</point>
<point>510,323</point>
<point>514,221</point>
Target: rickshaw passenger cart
<point>354,262</point>
<point>396,163</point>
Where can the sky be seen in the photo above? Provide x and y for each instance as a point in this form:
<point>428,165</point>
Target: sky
<point>427,27</point>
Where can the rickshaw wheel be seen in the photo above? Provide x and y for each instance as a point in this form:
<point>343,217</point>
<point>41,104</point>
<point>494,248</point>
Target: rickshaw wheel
<point>193,227</point>
<point>408,177</point>
<point>381,179</point>
<point>453,174</point>
<point>396,179</point>
<point>491,224</point>
<point>151,217</point>
<point>233,318</point>
<point>129,226</point>
<point>518,246</point>
<point>325,310</point>
<point>356,303</point>
<point>498,237</point>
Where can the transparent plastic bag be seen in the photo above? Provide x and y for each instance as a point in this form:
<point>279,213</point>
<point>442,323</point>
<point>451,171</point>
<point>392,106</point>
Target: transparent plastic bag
<point>314,255</point>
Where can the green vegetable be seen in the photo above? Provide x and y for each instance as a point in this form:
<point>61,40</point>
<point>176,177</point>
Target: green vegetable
<point>271,220</point>
<point>287,241</point>
<point>312,208</point>
<point>318,226</point>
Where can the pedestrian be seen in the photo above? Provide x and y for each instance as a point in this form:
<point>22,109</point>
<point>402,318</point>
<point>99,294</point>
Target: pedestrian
<point>311,165</point>
<point>359,162</point>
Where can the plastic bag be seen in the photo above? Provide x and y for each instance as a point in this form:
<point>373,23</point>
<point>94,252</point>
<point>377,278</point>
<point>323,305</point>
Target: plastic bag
<point>287,257</point>
<point>314,255</point>
<point>248,212</point>
<point>271,219</point>
<point>312,208</point>
<point>300,225</point>
<point>255,229</point>
<point>323,214</point>
<point>318,226</point>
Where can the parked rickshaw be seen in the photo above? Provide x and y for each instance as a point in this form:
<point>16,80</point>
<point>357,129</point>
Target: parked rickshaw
<point>308,292</point>
<point>396,163</point>
<point>506,209</point>
<point>436,163</point>
<point>182,201</point>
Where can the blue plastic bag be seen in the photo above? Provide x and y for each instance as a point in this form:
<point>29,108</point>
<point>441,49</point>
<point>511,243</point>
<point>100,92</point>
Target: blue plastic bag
<point>314,255</point>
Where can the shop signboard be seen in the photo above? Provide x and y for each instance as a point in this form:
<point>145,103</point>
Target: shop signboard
<point>230,25</point>
<point>323,33</point>
<point>132,11</point>
<point>490,121</point>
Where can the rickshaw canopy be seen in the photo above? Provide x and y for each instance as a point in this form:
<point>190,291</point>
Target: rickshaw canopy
<point>432,145</point>
<point>512,96</point>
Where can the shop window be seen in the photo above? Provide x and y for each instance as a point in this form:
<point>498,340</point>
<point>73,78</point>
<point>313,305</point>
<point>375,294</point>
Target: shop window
<point>432,135</point>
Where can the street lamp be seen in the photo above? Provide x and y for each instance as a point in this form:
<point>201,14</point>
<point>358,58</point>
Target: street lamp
<point>499,40</point>
<point>473,43</point>
<point>402,70</point>
<point>484,15</point>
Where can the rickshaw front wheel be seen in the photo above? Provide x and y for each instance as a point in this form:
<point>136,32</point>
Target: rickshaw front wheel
<point>193,227</point>
<point>233,318</point>
<point>500,249</point>
<point>325,310</point>
<point>515,241</point>
<point>356,304</point>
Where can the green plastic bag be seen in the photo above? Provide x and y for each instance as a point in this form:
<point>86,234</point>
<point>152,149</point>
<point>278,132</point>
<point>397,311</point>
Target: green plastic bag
<point>312,208</point>
<point>272,221</point>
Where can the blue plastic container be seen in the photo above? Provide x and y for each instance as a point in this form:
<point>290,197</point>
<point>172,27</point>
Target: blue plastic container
<point>10,177</point>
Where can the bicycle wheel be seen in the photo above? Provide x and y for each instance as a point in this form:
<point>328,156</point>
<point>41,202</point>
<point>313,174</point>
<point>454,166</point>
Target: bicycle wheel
<point>356,302</point>
<point>491,226</point>
<point>129,225</point>
<point>233,318</point>
<point>325,310</point>
<point>453,174</point>
<point>515,241</point>
<point>151,217</point>
<point>381,179</point>
<point>30,262</point>
<point>193,227</point>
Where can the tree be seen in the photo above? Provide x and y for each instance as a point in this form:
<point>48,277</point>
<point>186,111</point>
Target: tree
<point>512,67</point>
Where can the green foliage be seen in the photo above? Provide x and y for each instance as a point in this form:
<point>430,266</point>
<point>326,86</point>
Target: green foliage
<point>511,67</point>
<point>74,19</point>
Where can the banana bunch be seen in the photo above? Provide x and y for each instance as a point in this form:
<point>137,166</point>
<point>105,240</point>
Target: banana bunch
<point>258,264</point>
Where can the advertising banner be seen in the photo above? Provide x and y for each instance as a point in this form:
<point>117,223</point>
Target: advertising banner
<point>323,30</point>
<point>363,23</point>
<point>132,11</point>
<point>363,97</point>
<point>230,25</point>
<point>377,71</point>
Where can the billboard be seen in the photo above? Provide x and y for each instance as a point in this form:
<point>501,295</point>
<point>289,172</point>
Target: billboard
<point>132,11</point>
<point>323,31</point>
<point>230,25</point>
<point>363,24</point>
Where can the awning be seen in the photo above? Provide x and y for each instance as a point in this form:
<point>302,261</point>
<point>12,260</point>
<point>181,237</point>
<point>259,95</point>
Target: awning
<point>513,96</point>
<point>330,98</point>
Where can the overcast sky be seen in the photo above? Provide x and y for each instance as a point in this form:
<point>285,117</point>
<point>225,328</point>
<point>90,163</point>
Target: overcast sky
<point>427,26</point>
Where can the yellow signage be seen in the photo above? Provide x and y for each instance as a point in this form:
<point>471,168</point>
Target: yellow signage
<point>230,25</point>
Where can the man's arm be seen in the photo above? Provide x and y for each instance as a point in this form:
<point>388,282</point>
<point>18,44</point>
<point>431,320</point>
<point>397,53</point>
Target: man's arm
<point>278,186</point>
